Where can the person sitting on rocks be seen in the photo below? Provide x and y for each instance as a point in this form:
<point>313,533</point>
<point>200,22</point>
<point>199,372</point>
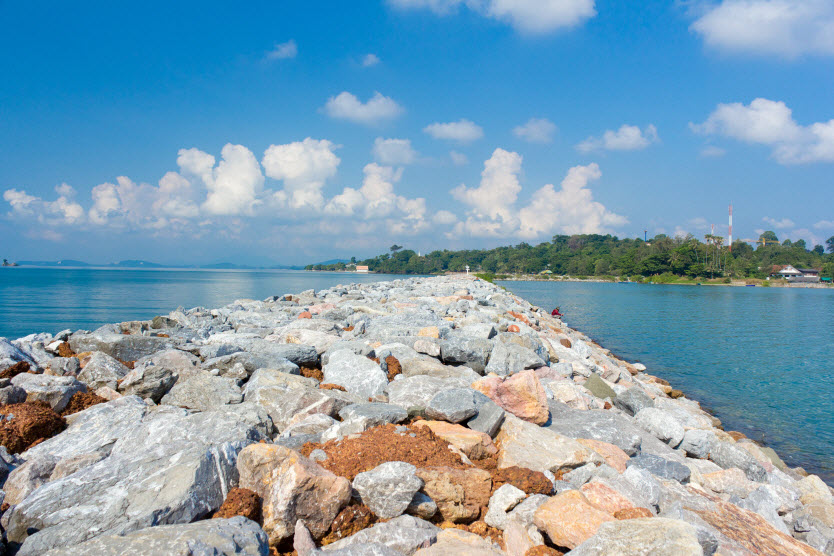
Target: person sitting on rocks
<point>556,313</point>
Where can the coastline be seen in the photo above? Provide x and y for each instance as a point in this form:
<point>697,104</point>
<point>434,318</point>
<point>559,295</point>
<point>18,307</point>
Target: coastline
<point>600,429</point>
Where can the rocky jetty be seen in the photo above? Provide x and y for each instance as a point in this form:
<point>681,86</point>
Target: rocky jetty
<point>427,416</point>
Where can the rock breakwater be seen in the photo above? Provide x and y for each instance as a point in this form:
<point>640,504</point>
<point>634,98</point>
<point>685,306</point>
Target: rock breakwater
<point>424,416</point>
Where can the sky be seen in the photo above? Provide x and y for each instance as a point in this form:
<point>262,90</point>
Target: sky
<point>296,132</point>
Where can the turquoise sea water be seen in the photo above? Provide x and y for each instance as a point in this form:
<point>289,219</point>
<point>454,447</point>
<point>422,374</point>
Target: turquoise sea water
<point>50,300</point>
<point>760,359</point>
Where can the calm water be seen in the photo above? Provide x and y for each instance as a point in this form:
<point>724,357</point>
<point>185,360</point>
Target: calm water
<point>761,359</point>
<point>50,300</point>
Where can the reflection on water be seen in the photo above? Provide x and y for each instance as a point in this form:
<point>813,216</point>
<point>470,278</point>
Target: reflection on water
<point>50,300</point>
<point>759,358</point>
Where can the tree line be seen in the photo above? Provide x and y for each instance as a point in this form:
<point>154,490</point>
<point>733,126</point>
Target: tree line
<point>607,255</point>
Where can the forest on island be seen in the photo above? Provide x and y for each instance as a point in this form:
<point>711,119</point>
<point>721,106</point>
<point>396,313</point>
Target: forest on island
<point>608,256</point>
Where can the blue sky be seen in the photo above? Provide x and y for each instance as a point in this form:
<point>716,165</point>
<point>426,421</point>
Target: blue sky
<point>292,132</point>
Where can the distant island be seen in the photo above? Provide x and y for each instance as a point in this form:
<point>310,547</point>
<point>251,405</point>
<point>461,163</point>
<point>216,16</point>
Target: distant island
<point>659,259</point>
<point>133,263</point>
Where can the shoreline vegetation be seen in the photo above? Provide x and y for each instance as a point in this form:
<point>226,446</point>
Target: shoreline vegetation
<point>678,260</point>
<point>424,416</point>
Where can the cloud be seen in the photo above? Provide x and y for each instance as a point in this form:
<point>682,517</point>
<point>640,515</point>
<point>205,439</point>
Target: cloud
<point>394,152</point>
<point>786,28</point>
<point>711,151</point>
<point>462,131</point>
<point>824,225</point>
<point>379,108</point>
<point>779,224</point>
<point>771,123</point>
<point>491,202</point>
<point>536,130</point>
<point>304,166</point>
<point>235,183</point>
<point>370,60</point>
<point>627,138</point>
<point>283,51</point>
<point>458,159</point>
<point>525,16</point>
<point>444,218</point>
<point>62,211</point>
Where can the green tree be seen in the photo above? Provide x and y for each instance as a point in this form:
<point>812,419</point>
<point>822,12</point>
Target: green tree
<point>769,236</point>
<point>830,243</point>
<point>394,248</point>
<point>819,250</point>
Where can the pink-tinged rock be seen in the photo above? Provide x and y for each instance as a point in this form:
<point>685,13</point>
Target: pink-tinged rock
<point>321,307</point>
<point>517,538</point>
<point>107,393</point>
<point>523,444</point>
<point>613,455</point>
<point>569,520</point>
<point>521,394</point>
<point>292,487</point>
<point>605,498</point>
<point>476,445</point>
<point>730,481</point>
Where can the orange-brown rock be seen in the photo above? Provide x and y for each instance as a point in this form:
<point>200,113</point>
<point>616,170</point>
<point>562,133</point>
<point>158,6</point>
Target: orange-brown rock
<point>531,482</point>
<point>240,501</point>
<point>543,550</point>
<point>459,493</point>
<point>513,328</point>
<point>429,332</point>
<point>632,513</point>
<point>569,520</point>
<point>605,498</point>
<point>613,455</point>
<point>23,425</point>
<point>565,342</point>
<point>475,444</point>
<point>736,435</point>
<point>305,315</point>
<point>81,401</point>
<point>519,316</point>
<point>350,520</point>
<point>394,367</point>
<point>521,394</point>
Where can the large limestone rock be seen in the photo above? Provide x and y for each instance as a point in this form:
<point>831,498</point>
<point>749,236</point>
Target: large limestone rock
<point>53,390</point>
<point>463,543</point>
<point>203,391</point>
<point>475,444</point>
<point>642,537</point>
<point>102,370</point>
<point>417,391</point>
<point>464,350</point>
<point>728,455</point>
<point>597,425</point>
<point>508,358</point>
<point>661,424</point>
<point>171,467</point>
<point>358,375</point>
<point>569,519</point>
<point>521,394</point>
<point>292,487</point>
<point>237,535</point>
<point>154,375</point>
<point>459,493</point>
<point>524,444</point>
<point>124,347</point>
<point>388,488</point>
<point>402,535</point>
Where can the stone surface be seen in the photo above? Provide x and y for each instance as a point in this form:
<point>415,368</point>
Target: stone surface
<point>476,445</point>
<point>597,425</point>
<point>661,424</point>
<point>489,419</point>
<point>292,487</point>
<point>507,359</point>
<point>698,443</point>
<point>388,488</point>
<point>633,400</point>
<point>404,534</point>
<point>455,541</point>
<point>203,391</point>
<point>237,535</point>
<point>502,501</point>
<point>524,444</point>
<point>612,455</point>
<point>605,498</point>
<point>463,350</point>
<point>102,370</point>
<point>728,455</point>
<point>454,405</point>
<point>569,520</point>
<point>459,494</point>
<point>599,388</point>
<point>375,413</point>
<point>521,394</point>
<point>359,375</point>
<point>661,467</point>
<point>642,537</point>
<point>124,347</point>
<point>55,391</point>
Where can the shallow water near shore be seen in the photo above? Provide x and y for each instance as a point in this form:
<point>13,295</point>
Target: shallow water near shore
<point>49,300</point>
<point>760,359</point>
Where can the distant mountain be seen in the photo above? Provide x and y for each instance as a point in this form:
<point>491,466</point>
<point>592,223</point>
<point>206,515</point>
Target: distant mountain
<point>63,262</point>
<point>137,264</point>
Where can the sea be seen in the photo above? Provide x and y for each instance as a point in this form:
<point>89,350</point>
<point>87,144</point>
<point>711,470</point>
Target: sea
<point>760,359</point>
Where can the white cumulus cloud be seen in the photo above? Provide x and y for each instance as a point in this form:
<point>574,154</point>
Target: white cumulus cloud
<point>536,130</point>
<point>235,184</point>
<point>370,60</point>
<point>378,109</point>
<point>394,152</point>
<point>462,131</point>
<point>771,123</point>
<point>824,225</point>
<point>491,212</point>
<point>787,28</point>
<point>627,138</point>
<point>526,16</point>
<point>779,224</point>
<point>284,50</point>
<point>458,159</point>
<point>304,166</point>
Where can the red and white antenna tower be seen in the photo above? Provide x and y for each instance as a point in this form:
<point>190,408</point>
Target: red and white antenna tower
<point>731,228</point>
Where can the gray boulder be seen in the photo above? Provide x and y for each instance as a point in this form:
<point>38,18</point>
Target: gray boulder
<point>697,443</point>
<point>417,391</point>
<point>174,467</point>
<point>633,400</point>
<point>489,419</point>
<point>63,366</point>
<point>359,375</point>
<point>54,390</point>
<point>203,391</point>
<point>599,387</point>
<point>124,347</point>
<point>661,424</point>
<point>388,489</point>
<point>598,425</point>
<point>645,536</point>
<point>11,354</point>
<point>213,537</point>
<point>375,413</point>
<point>102,370</point>
<point>661,467</point>
<point>727,455</point>
<point>12,394</point>
<point>463,350</point>
<point>508,358</point>
<point>404,534</point>
<point>455,405</point>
